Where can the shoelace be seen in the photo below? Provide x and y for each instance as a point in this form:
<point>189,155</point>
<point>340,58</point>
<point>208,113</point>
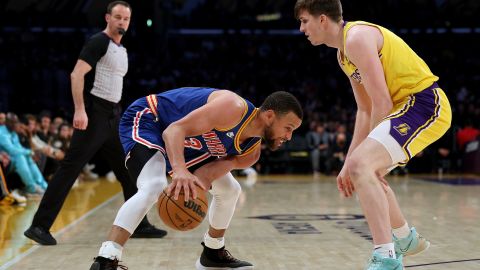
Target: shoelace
<point>118,265</point>
<point>225,254</point>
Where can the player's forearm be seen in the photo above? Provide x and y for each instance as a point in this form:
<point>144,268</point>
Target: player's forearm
<point>77,82</point>
<point>361,130</point>
<point>213,170</point>
<point>174,138</point>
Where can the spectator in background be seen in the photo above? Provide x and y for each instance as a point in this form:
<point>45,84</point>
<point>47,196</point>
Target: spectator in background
<point>21,157</point>
<point>60,141</point>
<point>466,134</point>
<point>44,129</point>
<point>338,153</point>
<point>2,118</point>
<point>445,154</point>
<point>341,128</point>
<point>55,125</point>
<point>44,152</point>
<point>4,160</point>
<point>318,143</point>
<point>6,196</point>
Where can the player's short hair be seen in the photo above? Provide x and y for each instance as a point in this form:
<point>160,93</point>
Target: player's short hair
<point>331,8</point>
<point>281,103</point>
<point>114,3</point>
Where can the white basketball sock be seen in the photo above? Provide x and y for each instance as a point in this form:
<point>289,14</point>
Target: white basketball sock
<point>402,232</point>
<point>111,250</point>
<point>213,243</point>
<point>386,250</point>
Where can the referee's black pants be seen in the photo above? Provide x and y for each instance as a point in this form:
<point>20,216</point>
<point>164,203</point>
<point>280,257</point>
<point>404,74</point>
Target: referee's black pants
<point>101,135</point>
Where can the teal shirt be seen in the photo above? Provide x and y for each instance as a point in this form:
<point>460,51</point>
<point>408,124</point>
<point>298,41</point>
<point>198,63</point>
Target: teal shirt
<point>10,143</point>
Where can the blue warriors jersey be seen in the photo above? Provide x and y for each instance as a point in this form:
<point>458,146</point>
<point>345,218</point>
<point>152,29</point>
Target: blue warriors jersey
<point>146,119</point>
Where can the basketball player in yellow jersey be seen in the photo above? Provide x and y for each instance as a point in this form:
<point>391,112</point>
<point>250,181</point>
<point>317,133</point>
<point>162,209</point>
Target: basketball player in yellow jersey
<point>401,110</point>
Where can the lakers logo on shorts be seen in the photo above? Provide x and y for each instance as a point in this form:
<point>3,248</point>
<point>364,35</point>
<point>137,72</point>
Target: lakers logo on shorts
<point>402,129</point>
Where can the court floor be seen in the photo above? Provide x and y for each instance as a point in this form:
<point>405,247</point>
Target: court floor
<point>281,222</point>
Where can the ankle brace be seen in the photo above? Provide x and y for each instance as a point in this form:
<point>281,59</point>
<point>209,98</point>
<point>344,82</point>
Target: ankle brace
<point>111,250</point>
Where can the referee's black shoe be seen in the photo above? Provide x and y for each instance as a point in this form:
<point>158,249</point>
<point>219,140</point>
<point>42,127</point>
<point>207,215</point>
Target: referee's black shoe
<point>40,235</point>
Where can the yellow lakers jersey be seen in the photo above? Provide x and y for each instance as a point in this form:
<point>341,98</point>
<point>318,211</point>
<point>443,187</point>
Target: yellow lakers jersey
<point>405,72</point>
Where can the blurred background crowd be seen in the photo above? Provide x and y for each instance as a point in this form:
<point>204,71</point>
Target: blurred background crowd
<point>252,47</point>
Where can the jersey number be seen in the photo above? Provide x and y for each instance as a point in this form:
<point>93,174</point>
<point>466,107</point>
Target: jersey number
<point>193,143</point>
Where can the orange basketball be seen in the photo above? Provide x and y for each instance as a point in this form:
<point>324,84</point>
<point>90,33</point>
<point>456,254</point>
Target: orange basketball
<point>180,214</point>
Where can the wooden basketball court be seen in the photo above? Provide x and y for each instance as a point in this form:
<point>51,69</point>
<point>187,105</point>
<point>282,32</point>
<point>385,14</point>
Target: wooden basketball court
<point>281,222</point>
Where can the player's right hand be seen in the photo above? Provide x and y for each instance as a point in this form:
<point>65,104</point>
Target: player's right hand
<point>80,119</point>
<point>183,179</point>
<point>344,184</point>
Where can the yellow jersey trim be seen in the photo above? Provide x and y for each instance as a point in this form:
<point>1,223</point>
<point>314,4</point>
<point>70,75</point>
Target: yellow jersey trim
<point>240,130</point>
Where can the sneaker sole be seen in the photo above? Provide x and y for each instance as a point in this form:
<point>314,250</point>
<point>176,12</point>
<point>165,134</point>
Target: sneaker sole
<point>199,266</point>
<point>423,247</point>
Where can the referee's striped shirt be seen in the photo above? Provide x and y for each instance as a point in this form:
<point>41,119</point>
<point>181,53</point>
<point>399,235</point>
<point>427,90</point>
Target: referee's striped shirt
<point>109,62</point>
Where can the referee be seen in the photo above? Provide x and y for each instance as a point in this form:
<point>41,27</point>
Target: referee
<point>97,82</point>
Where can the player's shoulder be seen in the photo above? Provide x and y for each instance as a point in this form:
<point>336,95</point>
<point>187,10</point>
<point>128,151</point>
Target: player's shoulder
<point>361,37</point>
<point>228,97</point>
<point>357,33</point>
<point>362,31</point>
<point>228,101</point>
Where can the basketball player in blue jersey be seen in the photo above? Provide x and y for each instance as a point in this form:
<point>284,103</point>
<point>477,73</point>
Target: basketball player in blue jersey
<point>401,110</point>
<point>197,135</point>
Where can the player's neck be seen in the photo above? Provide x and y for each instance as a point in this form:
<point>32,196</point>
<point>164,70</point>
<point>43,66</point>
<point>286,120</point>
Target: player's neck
<point>336,40</point>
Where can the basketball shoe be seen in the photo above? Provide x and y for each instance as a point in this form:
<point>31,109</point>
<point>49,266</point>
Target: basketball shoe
<point>102,263</point>
<point>377,262</point>
<point>216,259</point>
<point>413,244</point>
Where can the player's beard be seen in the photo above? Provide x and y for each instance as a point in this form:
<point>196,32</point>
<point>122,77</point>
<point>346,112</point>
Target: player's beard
<point>269,139</point>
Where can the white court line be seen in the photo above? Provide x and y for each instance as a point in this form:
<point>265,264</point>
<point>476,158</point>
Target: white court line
<point>57,234</point>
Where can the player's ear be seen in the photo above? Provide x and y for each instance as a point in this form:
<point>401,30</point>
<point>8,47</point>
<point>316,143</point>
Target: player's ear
<point>269,115</point>
<point>323,19</point>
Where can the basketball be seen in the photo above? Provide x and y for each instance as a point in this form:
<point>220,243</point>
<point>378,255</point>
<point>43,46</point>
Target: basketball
<point>182,215</point>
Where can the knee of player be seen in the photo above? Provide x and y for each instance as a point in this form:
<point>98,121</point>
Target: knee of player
<point>232,189</point>
<point>151,192</point>
<point>357,166</point>
<point>236,188</point>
